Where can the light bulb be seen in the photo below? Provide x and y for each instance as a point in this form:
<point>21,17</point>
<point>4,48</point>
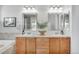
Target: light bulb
<point>60,8</point>
<point>33,8</point>
<point>24,10</point>
<point>56,8</point>
<point>51,8</point>
<point>29,8</point>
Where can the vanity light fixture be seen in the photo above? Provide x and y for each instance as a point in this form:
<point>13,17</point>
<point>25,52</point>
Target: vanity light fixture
<point>55,9</point>
<point>29,10</point>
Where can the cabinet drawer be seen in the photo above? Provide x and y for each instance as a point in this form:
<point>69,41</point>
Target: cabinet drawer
<point>42,50</point>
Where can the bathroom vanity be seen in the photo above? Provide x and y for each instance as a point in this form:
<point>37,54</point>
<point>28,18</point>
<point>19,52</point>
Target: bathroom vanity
<point>55,28</point>
<point>43,44</point>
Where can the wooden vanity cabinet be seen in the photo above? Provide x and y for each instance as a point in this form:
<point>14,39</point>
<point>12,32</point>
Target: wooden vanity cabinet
<point>25,45</point>
<point>64,45</point>
<point>30,45</point>
<point>42,45</point>
<point>59,45</point>
<point>54,45</point>
<point>20,45</point>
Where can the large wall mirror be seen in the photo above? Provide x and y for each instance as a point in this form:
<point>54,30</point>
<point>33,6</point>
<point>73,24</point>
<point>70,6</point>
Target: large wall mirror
<point>29,24</point>
<point>30,20</point>
<point>59,20</point>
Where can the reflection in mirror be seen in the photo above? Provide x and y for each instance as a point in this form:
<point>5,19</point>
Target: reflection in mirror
<point>53,22</point>
<point>66,19</point>
<point>29,24</point>
<point>67,24</point>
<point>59,22</point>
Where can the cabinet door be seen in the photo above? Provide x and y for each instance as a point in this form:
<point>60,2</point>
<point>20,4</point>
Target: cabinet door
<point>42,45</point>
<point>64,45</point>
<point>30,45</point>
<point>54,45</point>
<point>20,45</point>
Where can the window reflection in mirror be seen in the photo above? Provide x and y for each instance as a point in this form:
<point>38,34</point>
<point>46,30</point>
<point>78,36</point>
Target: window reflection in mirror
<point>29,24</point>
<point>66,18</point>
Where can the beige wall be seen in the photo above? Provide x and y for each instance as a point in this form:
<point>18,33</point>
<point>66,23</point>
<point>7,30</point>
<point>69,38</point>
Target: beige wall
<point>11,11</point>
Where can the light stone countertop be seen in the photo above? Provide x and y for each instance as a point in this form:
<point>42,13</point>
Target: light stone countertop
<point>43,36</point>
